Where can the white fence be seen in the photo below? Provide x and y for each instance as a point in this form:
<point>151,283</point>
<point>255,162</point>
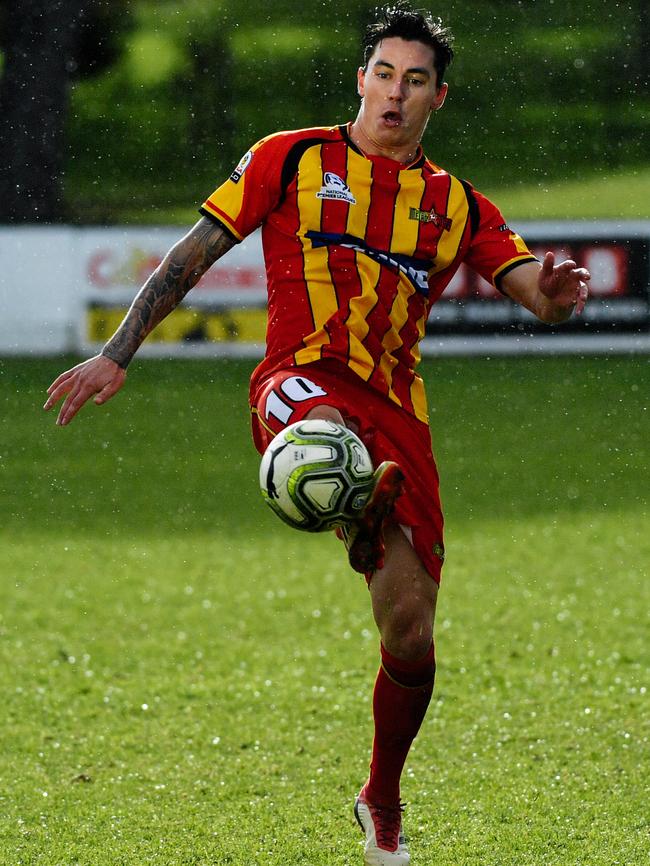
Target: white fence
<point>65,289</point>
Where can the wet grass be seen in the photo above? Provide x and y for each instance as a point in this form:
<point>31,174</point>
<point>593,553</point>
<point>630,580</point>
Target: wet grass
<point>617,195</point>
<point>186,681</point>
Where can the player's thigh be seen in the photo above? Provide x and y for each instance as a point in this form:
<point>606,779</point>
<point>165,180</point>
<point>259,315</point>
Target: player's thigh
<point>404,596</point>
<point>292,395</point>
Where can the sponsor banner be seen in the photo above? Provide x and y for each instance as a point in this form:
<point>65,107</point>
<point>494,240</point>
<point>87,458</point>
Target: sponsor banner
<point>115,263</point>
<point>185,325</point>
<point>619,287</point>
<point>470,309</point>
<point>227,306</point>
<point>67,288</point>
<point>39,303</point>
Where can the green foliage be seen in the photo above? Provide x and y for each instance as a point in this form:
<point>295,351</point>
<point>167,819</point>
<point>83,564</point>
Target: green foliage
<point>537,92</point>
<point>187,681</point>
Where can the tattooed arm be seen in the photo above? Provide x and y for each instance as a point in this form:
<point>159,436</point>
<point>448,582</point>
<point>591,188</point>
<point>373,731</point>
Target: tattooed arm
<point>103,375</point>
<point>179,271</point>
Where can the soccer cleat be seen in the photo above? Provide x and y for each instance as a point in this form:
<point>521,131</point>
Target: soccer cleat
<point>385,842</point>
<point>364,537</point>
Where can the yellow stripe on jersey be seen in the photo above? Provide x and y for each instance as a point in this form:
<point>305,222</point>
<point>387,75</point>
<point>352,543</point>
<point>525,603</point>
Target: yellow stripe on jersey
<point>406,230</point>
<point>457,211</point>
<point>359,177</point>
<point>320,289</point>
<point>361,361</point>
<point>419,399</point>
<point>398,317</point>
<point>520,243</point>
<point>418,394</point>
<point>223,218</point>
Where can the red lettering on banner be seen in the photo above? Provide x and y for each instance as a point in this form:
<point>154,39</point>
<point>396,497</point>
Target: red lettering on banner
<point>97,272</point>
<point>608,266</point>
<point>233,278</point>
<point>145,267</point>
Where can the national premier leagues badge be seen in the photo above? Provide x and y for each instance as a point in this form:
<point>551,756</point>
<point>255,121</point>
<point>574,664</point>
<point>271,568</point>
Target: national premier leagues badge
<point>235,177</point>
<point>430,216</point>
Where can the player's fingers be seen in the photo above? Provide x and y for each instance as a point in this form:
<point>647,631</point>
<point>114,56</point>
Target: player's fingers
<point>63,377</point>
<point>108,391</point>
<point>56,391</point>
<point>583,294</point>
<point>547,263</point>
<point>566,267</point>
<point>73,403</point>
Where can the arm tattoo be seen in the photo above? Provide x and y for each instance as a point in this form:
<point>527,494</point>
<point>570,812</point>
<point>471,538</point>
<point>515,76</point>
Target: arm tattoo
<point>180,270</point>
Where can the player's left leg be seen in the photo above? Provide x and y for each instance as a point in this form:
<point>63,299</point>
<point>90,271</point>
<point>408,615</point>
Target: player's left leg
<point>404,601</point>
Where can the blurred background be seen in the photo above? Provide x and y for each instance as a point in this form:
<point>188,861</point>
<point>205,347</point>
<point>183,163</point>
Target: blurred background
<point>133,111</point>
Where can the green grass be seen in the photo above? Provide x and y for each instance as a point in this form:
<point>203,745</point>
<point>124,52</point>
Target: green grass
<point>187,681</point>
<point>619,195</point>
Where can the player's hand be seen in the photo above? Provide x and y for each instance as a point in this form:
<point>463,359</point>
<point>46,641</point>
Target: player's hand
<point>564,284</point>
<point>98,376</point>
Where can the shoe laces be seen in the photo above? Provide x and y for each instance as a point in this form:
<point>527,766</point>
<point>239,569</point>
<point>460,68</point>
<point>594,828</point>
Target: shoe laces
<point>388,823</point>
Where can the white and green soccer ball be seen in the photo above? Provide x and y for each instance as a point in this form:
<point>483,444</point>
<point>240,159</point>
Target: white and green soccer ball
<point>316,475</point>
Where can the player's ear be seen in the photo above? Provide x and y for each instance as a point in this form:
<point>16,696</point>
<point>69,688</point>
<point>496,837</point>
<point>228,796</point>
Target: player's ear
<point>361,81</point>
<point>438,100</point>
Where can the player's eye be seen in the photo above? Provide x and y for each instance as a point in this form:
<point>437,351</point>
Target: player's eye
<point>417,81</point>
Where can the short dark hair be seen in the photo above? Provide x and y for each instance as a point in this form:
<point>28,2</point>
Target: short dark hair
<point>401,20</point>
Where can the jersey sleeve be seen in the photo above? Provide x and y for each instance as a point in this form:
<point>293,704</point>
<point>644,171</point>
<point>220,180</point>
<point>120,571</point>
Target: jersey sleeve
<point>495,249</point>
<point>251,192</point>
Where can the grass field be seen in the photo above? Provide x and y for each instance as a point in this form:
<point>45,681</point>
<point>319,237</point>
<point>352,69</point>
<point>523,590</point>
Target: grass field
<point>627,196</point>
<point>186,681</point>
<point>620,195</point>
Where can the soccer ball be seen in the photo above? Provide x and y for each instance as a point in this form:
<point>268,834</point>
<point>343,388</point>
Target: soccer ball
<point>316,475</point>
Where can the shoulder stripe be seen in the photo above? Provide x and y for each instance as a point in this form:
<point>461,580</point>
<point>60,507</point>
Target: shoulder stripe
<point>220,220</point>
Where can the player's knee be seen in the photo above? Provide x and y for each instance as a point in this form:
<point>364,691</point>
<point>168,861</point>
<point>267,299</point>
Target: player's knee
<point>326,413</point>
<point>407,634</point>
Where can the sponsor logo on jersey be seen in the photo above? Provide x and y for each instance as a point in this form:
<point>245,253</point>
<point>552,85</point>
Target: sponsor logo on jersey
<point>504,227</point>
<point>415,270</point>
<point>439,551</point>
<point>335,188</point>
<point>430,216</point>
<point>243,164</point>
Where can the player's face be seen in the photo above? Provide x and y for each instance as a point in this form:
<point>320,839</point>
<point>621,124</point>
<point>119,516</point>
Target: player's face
<point>399,90</point>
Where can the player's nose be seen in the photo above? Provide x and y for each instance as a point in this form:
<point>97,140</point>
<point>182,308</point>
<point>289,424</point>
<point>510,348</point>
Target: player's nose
<point>396,91</point>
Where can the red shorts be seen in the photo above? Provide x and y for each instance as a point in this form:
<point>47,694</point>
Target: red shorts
<point>388,432</point>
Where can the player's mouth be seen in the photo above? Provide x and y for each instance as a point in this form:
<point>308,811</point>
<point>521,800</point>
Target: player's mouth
<point>391,119</point>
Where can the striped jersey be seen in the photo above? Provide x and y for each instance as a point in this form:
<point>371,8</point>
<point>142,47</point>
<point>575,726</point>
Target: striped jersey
<point>357,248</point>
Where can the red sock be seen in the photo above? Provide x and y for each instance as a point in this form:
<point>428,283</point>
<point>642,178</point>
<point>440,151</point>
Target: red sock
<point>401,697</point>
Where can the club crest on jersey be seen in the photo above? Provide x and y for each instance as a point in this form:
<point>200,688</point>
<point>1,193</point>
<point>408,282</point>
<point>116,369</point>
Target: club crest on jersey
<point>235,177</point>
<point>430,216</point>
<point>335,188</point>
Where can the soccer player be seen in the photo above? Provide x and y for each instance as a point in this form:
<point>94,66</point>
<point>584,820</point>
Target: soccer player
<point>361,234</point>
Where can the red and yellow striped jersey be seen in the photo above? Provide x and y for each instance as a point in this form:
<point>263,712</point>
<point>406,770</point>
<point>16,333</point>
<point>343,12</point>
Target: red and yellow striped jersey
<point>357,249</point>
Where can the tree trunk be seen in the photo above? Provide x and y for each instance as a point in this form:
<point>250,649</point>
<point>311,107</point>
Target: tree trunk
<point>41,43</point>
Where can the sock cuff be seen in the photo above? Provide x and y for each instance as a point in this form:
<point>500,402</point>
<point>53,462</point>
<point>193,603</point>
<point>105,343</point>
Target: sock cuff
<point>411,674</point>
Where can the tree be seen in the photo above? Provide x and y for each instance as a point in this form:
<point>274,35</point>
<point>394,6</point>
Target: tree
<point>45,44</point>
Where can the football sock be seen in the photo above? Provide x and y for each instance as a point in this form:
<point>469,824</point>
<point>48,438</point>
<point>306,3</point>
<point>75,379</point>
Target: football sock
<point>400,700</point>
